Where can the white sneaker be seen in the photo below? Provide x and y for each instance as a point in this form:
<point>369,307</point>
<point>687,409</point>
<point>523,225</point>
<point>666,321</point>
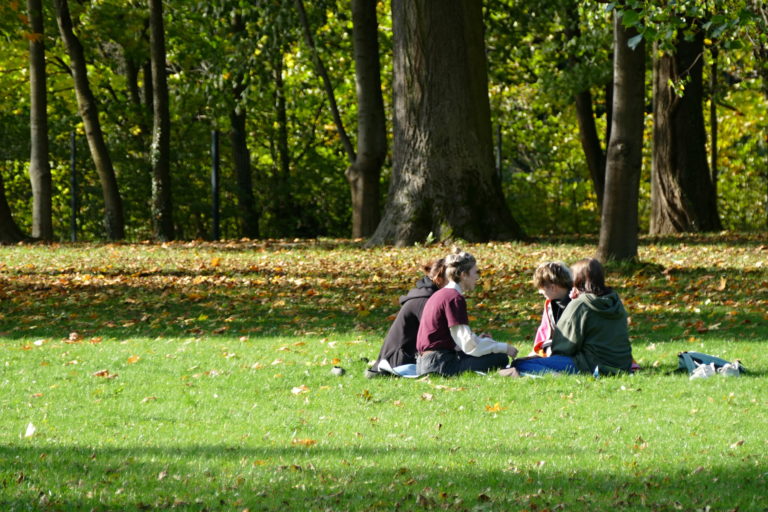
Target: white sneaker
<point>703,371</point>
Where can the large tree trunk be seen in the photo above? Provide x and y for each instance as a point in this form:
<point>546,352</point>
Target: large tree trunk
<point>682,196</point>
<point>364,173</point>
<point>113,204</point>
<point>9,230</point>
<point>619,224</point>
<point>160,151</point>
<point>39,166</point>
<point>443,177</point>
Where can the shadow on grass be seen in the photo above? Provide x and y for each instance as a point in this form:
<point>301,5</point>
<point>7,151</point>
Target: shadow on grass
<point>221,477</point>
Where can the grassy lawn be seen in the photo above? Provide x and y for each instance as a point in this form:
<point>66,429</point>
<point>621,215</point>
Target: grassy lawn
<point>196,376</point>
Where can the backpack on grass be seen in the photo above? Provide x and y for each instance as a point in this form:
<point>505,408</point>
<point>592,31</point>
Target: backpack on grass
<point>690,361</point>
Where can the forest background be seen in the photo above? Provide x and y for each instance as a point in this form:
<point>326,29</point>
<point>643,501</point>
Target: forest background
<point>262,71</point>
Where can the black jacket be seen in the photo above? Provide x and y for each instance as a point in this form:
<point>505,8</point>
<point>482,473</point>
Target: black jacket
<point>400,344</point>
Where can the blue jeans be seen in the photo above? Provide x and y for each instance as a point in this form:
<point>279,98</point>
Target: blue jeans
<point>549,364</point>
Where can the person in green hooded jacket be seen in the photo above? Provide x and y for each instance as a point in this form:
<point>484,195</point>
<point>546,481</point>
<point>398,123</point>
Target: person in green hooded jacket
<point>591,335</point>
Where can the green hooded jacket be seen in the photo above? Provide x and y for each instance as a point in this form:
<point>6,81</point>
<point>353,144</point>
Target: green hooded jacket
<point>593,331</point>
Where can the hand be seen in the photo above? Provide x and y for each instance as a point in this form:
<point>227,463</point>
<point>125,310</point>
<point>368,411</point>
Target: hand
<point>511,351</point>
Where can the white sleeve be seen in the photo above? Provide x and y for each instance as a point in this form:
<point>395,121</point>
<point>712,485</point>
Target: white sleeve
<point>473,345</point>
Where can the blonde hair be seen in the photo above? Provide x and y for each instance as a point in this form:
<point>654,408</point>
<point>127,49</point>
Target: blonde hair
<point>458,263</point>
<point>553,272</point>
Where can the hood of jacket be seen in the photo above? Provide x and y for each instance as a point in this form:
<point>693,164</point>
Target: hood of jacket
<point>424,289</point>
<point>607,306</point>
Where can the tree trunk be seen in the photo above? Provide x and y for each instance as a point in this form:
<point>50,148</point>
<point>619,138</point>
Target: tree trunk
<point>682,196</point>
<point>113,204</point>
<point>9,230</point>
<point>713,92</point>
<point>238,137</point>
<point>443,177</point>
<point>590,143</point>
<point>39,166</point>
<point>619,219</point>
<point>242,160</point>
<point>364,173</point>
<point>283,212</point>
<point>160,151</point>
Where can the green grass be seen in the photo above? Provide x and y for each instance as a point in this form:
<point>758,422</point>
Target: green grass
<point>218,393</point>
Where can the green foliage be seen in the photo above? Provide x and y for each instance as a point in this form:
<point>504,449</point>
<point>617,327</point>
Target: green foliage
<point>224,55</point>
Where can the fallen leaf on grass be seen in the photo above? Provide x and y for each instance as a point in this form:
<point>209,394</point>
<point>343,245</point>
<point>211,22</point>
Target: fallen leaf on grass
<point>31,429</point>
<point>148,399</point>
<point>104,374</point>
<point>737,444</point>
<point>300,389</point>
<point>427,396</point>
<point>304,442</point>
<point>494,408</point>
<point>133,359</point>
<point>448,388</point>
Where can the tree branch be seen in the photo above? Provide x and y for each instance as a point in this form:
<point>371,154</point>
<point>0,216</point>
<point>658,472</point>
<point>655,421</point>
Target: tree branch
<point>320,68</point>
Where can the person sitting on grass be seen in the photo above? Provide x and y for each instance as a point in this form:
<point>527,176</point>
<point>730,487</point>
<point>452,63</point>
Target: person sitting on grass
<point>554,282</point>
<point>399,346</point>
<point>446,344</point>
<point>591,335</point>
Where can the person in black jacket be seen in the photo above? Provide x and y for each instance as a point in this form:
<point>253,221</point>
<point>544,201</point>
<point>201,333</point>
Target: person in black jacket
<point>400,344</point>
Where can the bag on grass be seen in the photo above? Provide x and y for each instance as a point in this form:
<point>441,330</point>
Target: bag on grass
<point>690,361</point>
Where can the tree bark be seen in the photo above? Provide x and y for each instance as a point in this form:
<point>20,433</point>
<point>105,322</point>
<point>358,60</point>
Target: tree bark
<point>443,177</point>
<point>364,173</point>
<point>713,127</point>
<point>9,230</point>
<point>619,218</point>
<point>682,195</point>
<point>39,166</point>
<point>160,150</point>
<point>241,155</point>
<point>280,204</point>
<point>590,143</point>
<point>114,223</point>
<point>242,160</point>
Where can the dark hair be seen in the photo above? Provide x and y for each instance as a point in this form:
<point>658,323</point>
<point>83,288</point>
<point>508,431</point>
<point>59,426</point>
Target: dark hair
<point>435,270</point>
<point>589,277</point>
